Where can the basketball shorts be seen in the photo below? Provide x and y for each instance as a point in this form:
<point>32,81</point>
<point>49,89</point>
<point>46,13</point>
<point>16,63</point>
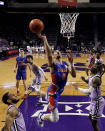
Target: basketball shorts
<point>96,108</point>
<point>21,75</point>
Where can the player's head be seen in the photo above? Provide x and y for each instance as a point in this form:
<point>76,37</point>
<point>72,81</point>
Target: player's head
<point>9,98</point>
<point>94,70</point>
<point>98,55</point>
<point>21,52</point>
<point>91,52</point>
<point>29,58</point>
<point>57,54</point>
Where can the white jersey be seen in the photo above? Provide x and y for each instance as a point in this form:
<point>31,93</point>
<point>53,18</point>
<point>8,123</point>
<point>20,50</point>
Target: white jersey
<point>35,70</point>
<point>18,123</point>
<point>96,92</point>
<point>100,63</point>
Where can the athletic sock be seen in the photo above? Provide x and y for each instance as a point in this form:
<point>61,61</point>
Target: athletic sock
<point>42,117</point>
<point>25,92</point>
<point>40,99</point>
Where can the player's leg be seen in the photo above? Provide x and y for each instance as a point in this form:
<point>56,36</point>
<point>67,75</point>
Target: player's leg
<point>17,86</point>
<point>52,117</point>
<point>35,86</point>
<point>53,108</point>
<point>95,125</point>
<point>32,85</point>
<point>96,108</point>
<point>39,83</point>
<point>24,83</point>
<point>33,82</point>
<point>18,78</point>
<point>25,86</point>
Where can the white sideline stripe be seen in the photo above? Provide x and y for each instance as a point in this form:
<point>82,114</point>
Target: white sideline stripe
<point>69,102</point>
<point>44,110</point>
<point>77,114</point>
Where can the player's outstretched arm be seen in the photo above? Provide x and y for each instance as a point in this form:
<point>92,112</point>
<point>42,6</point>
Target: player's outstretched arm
<point>10,119</point>
<point>72,71</point>
<point>48,50</point>
<point>85,91</point>
<point>85,80</point>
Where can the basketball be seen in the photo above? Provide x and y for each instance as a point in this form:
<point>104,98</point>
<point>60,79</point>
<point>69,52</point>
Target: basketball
<point>36,26</point>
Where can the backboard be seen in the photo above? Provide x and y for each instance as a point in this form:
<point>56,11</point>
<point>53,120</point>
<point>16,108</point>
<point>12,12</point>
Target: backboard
<point>54,6</point>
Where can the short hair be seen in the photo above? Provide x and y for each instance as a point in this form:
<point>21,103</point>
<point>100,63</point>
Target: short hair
<point>29,56</point>
<point>21,49</point>
<point>5,98</point>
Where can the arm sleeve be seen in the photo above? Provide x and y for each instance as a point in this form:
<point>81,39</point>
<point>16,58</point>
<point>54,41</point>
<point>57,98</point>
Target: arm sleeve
<point>86,91</point>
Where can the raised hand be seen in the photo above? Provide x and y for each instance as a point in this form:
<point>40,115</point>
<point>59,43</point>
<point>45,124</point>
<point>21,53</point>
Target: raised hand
<point>43,37</point>
<point>70,57</point>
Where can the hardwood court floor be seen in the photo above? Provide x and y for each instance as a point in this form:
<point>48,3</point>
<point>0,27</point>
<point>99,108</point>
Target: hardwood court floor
<point>7,79</point>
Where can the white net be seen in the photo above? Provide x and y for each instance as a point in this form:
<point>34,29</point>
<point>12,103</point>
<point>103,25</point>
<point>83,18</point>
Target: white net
<point>68,21</point>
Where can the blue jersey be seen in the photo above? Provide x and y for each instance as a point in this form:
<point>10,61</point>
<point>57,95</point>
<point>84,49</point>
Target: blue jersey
<point>59,79</point>
<point>59,76</point>
<point>20,59</point>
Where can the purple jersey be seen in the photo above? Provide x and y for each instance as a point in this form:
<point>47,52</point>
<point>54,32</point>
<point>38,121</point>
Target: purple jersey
<point>18,124</point>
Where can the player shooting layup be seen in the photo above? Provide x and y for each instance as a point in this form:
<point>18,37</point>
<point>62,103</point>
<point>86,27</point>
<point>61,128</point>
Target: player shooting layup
<point>59,74</point>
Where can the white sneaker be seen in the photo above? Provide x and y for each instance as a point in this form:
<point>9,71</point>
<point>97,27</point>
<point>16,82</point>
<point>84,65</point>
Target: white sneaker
<point>39,120</point>
<point>32,88</point>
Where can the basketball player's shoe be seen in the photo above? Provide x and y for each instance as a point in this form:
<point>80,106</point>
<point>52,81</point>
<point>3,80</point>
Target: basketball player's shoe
<point>32,88</point>
<point>25,96</point>
<point>39,120</point>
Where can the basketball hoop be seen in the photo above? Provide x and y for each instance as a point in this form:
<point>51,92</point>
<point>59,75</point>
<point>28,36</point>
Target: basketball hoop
<point>68,21</point>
